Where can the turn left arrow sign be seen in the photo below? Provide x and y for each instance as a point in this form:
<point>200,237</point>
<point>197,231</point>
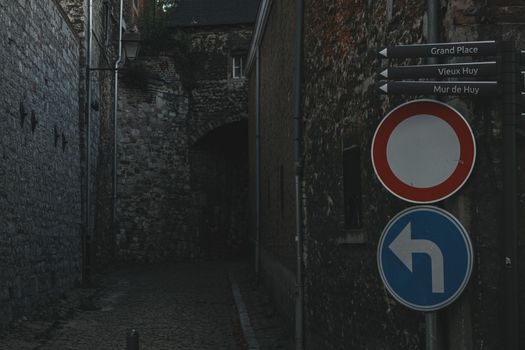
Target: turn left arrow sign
<point>403,246</point>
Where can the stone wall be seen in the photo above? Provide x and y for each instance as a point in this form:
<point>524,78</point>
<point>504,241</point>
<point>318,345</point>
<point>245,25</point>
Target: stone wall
<point>100,241</point>
<point>179,99</point>
<point>347,305</point>
<point>105,36</point>
<point>341,101</point>
<point>40,187</point>
<point>217,98</point>
<point>153,173</point>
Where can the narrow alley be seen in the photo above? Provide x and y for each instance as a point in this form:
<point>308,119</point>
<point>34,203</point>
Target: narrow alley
<point>175,306</point>
<point>262,175</point>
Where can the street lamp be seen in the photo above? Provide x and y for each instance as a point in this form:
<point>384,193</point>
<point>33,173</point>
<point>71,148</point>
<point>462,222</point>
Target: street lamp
<point>131,43</point>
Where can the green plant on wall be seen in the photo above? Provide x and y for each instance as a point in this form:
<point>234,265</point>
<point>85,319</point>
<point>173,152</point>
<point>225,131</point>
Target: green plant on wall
<point>184,58</point>
<point>157,38</point>
<point>154,33</point>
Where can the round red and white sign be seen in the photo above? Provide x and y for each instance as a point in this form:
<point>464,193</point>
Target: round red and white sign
<point>423,151</point>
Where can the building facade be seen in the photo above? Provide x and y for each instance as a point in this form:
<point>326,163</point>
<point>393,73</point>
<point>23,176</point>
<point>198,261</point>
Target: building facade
<point>182,175</point>
<point>182,145</point>
<point>41,255</point>
<point>48,243</point>
<point>343,204</point>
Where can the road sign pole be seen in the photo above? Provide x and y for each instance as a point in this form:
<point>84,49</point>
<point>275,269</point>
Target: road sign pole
<point>509,79</point>
<point>433,331</point>
<point>432,326</point>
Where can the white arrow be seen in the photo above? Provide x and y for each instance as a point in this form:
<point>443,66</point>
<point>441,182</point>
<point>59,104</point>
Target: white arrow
<point>384,87</point>
<point>404,246</point>
<point>384,52</point>
<point>385,73</point>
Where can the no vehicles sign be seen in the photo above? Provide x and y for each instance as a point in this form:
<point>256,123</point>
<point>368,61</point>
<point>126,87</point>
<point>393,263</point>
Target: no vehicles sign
<point>423,151</point>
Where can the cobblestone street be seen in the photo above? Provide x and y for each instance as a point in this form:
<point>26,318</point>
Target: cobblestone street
<point>183,306</point>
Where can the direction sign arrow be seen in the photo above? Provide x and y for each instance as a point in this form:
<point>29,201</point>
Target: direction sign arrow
<point>465,88</point>
<point>403,246</point>
<point>473,48</point>
<point>453,70</point>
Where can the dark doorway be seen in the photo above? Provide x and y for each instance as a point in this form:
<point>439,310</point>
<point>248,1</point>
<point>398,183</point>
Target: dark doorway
<point>219,172</point>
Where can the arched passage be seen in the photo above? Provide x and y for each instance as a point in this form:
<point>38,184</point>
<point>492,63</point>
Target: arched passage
<point>219,173</point>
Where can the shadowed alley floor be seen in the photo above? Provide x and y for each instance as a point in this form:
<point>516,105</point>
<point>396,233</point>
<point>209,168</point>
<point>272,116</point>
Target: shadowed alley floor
<point>177,306</point>
<point>171,306</point>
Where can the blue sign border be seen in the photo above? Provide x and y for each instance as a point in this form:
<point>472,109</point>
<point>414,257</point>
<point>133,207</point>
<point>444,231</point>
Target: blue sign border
<point>468,245</point>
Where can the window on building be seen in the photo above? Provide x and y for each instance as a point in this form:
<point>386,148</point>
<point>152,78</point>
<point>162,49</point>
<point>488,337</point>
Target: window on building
<point>107,19</point>
<point>136,11</point>
<point>269,195</point>
<point>281,176</point>
<point>238,66</point>
<point>352,185</point>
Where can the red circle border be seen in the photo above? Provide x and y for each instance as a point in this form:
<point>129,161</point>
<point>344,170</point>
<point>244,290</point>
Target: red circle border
<point>446,188</point>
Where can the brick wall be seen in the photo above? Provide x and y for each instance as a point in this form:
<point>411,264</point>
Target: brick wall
<point>277,196</point>
<point>276,55</point>
<point>40,186</point>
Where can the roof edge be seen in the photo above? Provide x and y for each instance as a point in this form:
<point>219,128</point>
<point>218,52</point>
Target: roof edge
<point>260,27</point>
<point>241,23</point>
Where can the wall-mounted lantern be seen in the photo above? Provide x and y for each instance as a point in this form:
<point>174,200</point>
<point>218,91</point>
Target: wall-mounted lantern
<point>131,43</point>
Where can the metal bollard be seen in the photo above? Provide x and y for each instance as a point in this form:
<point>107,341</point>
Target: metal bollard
<point>132,340</point>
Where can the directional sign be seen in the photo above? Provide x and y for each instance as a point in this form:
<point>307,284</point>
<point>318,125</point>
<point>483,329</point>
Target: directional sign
<point>425,258</point>
<point>423,151</point>
<point>473,48</point>
<point>453,70</point>
<point>465,88</point>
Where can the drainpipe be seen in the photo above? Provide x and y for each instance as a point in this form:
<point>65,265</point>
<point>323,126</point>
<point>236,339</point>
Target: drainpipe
<point>87,224</point>
<point>257,165</point>
<point>510,90</point>
<point>115,117</point>
<point>432,325</point>
<point>298,163</point>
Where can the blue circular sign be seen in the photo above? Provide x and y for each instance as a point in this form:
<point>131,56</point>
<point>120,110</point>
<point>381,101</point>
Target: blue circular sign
<point>425,258</point>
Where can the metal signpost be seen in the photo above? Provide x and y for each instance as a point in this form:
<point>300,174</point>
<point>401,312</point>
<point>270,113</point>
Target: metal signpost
<point>423,151</point>
<point>425,258</point>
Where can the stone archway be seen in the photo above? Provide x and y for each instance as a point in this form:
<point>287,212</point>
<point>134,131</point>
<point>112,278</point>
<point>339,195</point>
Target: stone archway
<point>219,182</point>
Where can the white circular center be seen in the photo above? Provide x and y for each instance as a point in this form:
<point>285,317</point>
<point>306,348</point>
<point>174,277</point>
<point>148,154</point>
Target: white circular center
<point>423,151</point>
